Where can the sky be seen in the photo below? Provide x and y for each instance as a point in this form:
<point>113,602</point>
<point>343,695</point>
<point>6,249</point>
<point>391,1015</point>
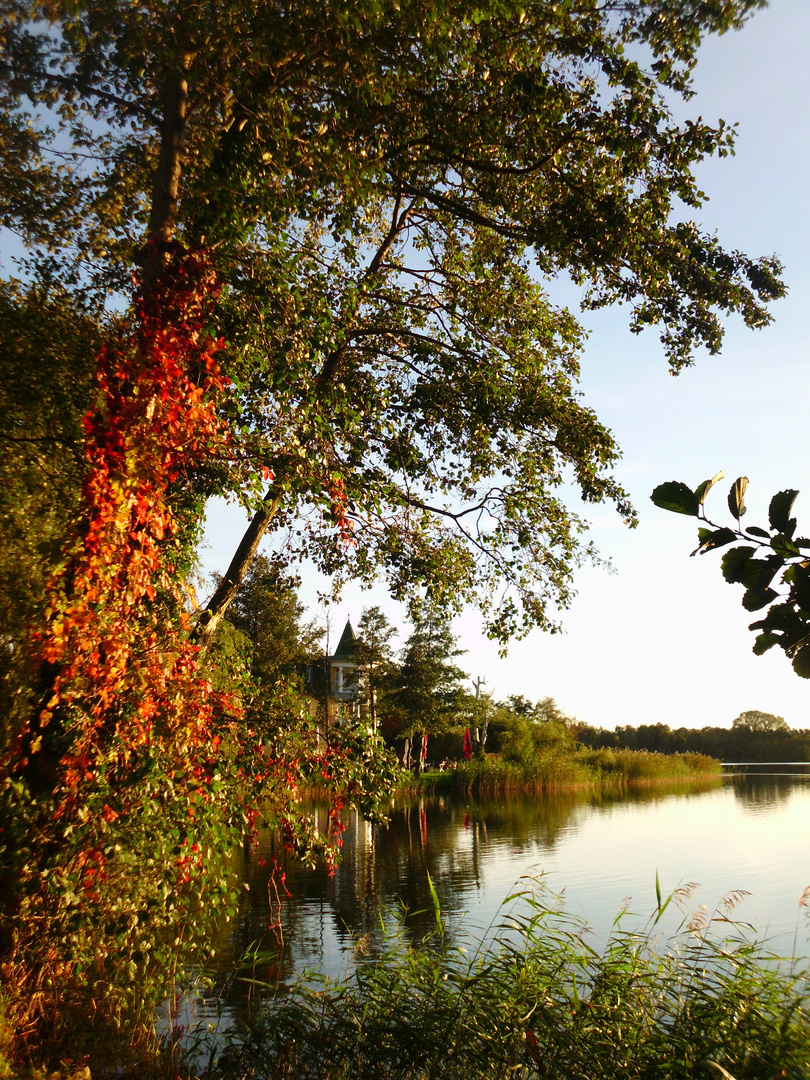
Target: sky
<point>663,638</point>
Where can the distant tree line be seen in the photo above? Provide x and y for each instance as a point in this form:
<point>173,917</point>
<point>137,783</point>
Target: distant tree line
<point>753,736</point>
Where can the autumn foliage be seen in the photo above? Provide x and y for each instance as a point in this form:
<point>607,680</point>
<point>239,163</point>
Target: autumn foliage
<point>118,670</point>
<point>144,760</point>
<point>113,806</point>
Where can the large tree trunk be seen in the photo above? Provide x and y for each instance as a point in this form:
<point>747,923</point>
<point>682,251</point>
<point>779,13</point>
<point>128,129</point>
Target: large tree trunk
<point>240,564</point>
<point>166,183</point>
<point>157,252</point>
<point>41,766</point>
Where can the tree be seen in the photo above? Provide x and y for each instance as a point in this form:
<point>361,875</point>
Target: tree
<point>384,188</point>
<point>374,656</point>
<point>49,341</point>
<point>518,704</point>
<point>480,718</point>
<point>742,741</point>
<point>266,609</point>
<point>426,691</point>
<point>525,731</point>
<point>754,720</point>
<point>772,556</point>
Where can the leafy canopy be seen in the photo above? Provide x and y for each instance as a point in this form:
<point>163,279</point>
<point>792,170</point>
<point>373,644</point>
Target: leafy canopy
<point>755,720</point>
<point>388,189</point>
<point>267,611</point>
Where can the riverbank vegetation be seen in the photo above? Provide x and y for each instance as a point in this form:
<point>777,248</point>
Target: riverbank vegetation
<point>536,746</point>
<point>556,770</point>
<point>540,998</point>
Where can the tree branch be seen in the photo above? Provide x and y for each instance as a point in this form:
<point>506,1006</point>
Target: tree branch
<point>83,87</point>
<point>330,365</point>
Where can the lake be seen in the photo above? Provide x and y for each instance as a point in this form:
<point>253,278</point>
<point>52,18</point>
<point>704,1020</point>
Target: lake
<point>748,831</point>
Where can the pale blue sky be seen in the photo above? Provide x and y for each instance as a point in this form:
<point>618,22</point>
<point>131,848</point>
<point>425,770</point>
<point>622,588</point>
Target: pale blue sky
<point>665,638</point>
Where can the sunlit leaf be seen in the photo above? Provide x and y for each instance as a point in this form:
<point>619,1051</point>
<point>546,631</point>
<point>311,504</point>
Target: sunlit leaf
<point>783,547</point>
<point>735,496</point>
<point>703,489</point>
<point>713,538</point>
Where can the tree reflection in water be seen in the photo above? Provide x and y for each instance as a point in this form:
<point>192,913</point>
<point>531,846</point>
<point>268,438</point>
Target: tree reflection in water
<point>762,793</point>
<point>382,882</point>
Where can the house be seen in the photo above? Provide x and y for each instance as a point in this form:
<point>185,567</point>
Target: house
<point>333,679</point>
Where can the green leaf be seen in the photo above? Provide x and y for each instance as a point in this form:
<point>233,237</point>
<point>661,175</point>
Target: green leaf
<point>783,547</point>
<point>801,662</point>
<point>759,573</point>
<point>754,530</point>
<point>703,489</point>
<point>735,561</point>
<point>661,905</point>
<point>755,599</point>
<point>676,497</point>
<point>782,617</point>
<point>713,538</point>
<point>437,907</point>
<point>735,496</point>
<point>779,511</point>
<point>799,579</point>
<point>764,642</point>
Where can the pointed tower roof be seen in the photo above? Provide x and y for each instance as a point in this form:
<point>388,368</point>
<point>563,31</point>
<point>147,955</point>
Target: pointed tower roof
<point>345,649</point>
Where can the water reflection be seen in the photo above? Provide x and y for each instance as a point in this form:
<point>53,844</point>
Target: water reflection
<point>597,847</point>
<point>762,793</point>
<point>385,870</point>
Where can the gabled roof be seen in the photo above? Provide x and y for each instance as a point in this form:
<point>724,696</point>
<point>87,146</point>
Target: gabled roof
<point>346,645</point>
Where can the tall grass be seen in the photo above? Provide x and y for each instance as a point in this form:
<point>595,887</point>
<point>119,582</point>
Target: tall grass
<point>537,999</point>
<point>555,769</point>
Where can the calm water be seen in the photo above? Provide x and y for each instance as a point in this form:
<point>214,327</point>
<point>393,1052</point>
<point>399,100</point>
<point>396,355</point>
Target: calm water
<point>745,832</point>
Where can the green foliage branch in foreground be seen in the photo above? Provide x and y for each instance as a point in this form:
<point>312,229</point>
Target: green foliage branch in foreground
<point>772,565</point>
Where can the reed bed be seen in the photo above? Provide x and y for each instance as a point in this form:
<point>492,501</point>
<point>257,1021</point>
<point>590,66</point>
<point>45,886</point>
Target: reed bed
<point>555,771</point>
<point>539,1000</point>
